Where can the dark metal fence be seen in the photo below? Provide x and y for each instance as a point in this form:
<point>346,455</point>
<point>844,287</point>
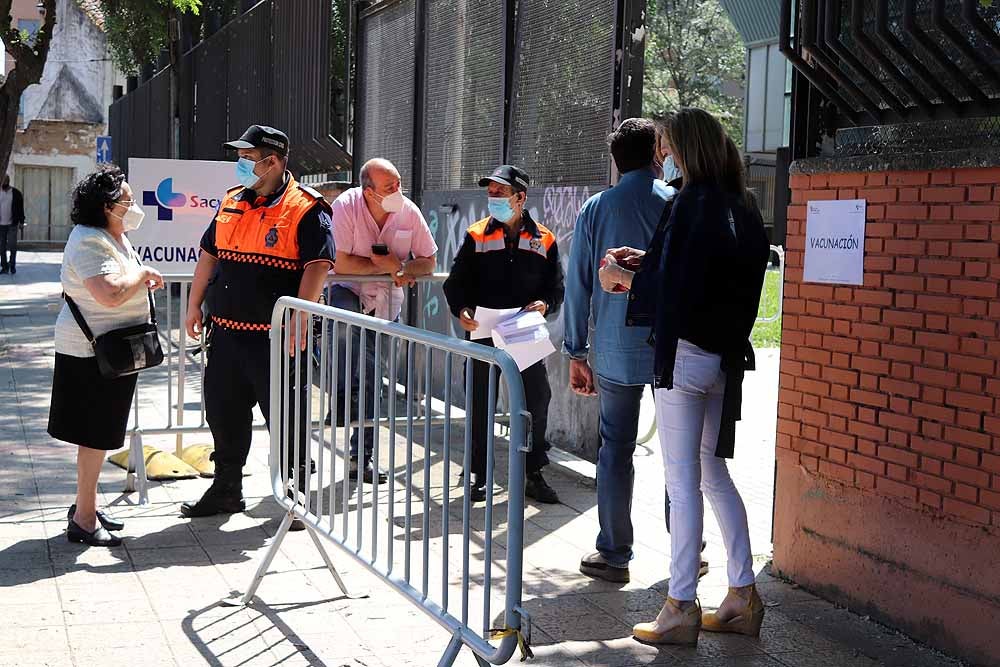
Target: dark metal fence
<point>449,89</point>
<point>889,61</point>
<point>272,65</point>
<point>761,179</point>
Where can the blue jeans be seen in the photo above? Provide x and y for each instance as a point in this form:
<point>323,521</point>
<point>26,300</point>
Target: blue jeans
<point>343,298</point>
<point>615,472</point>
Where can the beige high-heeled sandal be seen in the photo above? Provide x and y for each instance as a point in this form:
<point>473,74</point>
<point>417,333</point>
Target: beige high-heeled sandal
<point>684,632</point>
<point>746,622</point>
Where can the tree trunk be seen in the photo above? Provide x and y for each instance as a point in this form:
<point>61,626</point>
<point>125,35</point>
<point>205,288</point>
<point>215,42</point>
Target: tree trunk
<point>8,128</point>
<point>28,68</point>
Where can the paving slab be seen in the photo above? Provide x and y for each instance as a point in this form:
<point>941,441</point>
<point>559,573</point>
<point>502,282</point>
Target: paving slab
<point>157,599</point>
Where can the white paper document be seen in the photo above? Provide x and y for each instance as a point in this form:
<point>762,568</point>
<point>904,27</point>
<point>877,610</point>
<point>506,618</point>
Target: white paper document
<point>520,325</point>
<point>835,242</point>
<point>523,335</point>
<point>488,319</point>
<point>526,354</point>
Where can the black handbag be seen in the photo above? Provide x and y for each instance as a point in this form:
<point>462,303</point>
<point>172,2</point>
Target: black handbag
<point>124,351</point>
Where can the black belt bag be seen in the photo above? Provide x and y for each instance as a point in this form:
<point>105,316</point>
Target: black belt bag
<point>123,351</point>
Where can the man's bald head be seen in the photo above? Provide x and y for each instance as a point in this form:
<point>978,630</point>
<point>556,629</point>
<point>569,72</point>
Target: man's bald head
<point>379,174</point>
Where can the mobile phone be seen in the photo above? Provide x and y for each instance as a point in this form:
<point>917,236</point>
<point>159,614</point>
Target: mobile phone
<point>380,249</point>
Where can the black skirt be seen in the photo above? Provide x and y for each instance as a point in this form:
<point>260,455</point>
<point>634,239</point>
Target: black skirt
<point>88,409</point>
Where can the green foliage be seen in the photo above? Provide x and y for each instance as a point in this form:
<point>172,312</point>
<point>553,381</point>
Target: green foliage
<point>339,76</point>
<point>137,29</point>
<point>692,52</point>
<point>768,334</point>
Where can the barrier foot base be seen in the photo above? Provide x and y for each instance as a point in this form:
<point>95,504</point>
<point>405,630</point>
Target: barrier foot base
<point>236,601</point>
<point>451,653</point>
<point>333,570</point>
<point>136,479</point>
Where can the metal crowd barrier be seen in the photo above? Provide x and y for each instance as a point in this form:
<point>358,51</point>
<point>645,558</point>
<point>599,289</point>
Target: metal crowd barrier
<point>181,374</point>
<point>779,253</point>
<point>389,528</point>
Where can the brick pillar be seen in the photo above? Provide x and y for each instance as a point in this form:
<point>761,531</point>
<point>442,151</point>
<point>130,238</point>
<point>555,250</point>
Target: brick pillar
<point>888,444</point>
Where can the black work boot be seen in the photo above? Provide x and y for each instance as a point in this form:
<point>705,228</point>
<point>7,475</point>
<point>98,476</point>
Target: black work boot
<point>225,496</point>
<point>536,487</point>
<point>477,490</point>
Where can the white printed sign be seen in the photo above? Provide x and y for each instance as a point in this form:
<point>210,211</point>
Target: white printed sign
<point>180,198</point>
<point>835,242</point>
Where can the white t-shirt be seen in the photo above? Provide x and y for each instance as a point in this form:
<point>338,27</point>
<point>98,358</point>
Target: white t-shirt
<point>93,252</point>
<point>6,207</point>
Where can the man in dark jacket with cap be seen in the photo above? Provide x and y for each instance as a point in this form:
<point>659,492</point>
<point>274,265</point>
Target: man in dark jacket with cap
<point>270,238</point>
<point>507,261</point>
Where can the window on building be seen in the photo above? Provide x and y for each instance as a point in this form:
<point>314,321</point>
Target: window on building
<point>788,103</point>
<point>29,26</point>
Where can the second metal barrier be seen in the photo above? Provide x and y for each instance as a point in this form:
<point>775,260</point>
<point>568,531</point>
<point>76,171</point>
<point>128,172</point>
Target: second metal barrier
<point>457,560</point>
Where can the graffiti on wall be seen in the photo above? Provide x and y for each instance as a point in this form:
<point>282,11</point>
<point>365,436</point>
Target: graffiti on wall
<point>447,224</point>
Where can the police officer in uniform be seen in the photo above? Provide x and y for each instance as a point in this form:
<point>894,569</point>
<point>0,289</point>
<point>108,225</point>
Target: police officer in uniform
<point>507,261</point>
<point>270,238</point>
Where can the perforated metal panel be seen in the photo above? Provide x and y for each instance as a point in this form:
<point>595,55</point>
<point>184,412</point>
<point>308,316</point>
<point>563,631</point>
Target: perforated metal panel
<point>564,90</point>
<point>249,71</point>
<point>210,112</point>
<point>464,96</point>
<point>159,115</point>
<point>925,137</point>
<point>384,122</point>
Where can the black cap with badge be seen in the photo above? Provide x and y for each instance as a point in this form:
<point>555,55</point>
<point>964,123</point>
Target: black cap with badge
<point>510,175</point>
<point>261,136</point>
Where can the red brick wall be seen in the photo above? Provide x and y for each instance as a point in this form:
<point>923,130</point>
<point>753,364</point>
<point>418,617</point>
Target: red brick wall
<point>893,386</point>
<point>889,404</point>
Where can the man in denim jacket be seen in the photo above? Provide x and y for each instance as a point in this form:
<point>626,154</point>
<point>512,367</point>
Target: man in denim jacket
<point>626,215</point>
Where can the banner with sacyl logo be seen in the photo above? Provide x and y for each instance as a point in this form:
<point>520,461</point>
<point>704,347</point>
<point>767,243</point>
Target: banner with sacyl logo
<point>180,197</point>
<point>835,242</point>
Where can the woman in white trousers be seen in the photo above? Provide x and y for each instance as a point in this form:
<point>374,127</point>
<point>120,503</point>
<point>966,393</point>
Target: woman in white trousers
<point>706,291</point>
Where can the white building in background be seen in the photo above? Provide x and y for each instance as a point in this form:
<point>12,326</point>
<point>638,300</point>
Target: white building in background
<point>62,116</point>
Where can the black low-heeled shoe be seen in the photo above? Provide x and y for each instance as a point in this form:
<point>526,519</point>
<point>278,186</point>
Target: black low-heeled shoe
<point>106,521</point>
<point>99,538</point>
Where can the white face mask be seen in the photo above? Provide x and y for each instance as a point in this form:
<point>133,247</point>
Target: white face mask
<point>670,170</point>
<point>132,218</point>
<point>392,203</point>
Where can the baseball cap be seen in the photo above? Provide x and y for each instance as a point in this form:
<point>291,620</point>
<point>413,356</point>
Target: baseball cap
<point>261,136</point>
<point>510,175</point>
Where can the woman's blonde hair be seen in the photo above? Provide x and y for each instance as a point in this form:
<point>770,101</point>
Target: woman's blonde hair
<point>704,151</point>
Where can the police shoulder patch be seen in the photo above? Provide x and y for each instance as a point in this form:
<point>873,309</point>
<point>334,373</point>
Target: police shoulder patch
<point>325,221</point>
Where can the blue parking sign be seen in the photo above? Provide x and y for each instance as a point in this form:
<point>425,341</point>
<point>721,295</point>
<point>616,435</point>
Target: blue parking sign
<point>103,150</point>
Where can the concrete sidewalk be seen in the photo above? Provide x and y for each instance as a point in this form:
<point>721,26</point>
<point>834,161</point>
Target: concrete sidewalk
<point>155,600</point>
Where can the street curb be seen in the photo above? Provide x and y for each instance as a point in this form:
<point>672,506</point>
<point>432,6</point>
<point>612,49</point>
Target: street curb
<point>571,465</point>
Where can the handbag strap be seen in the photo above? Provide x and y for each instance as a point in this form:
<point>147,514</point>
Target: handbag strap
<point>149,294</point>
<point>152,306</point>
<point>78,316</point>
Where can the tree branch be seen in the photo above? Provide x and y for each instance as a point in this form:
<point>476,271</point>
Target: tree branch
<point>30,58</point>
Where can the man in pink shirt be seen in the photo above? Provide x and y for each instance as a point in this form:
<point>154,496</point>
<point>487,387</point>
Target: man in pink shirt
<point>376,231</point>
